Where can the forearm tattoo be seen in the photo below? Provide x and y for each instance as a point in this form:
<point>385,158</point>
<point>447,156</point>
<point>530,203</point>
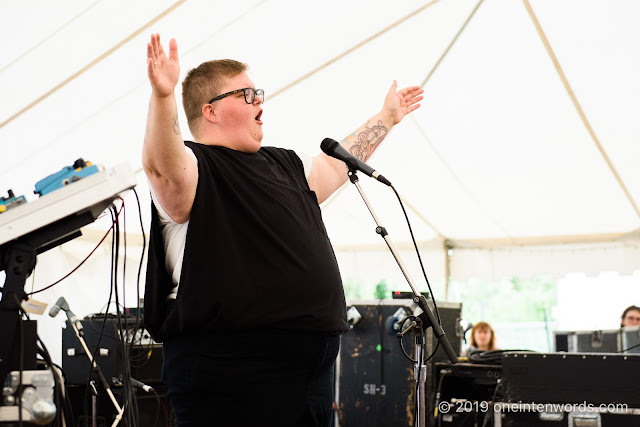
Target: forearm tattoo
<point>367,140</point>
<point>176,124</point>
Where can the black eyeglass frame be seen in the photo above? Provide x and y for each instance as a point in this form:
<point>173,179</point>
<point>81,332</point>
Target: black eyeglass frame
<point>246,90</point>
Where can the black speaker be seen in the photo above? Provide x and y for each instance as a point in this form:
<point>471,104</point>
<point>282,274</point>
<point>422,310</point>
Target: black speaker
<point>520,415</point>
<point>108,355</point>
<point>466,388</point>
<point>145,356</point>
<point>14,333</point>
<point>374,380</point>
<point>597,378</point>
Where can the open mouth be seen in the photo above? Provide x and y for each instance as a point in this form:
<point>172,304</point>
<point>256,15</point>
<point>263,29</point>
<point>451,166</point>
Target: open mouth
<point>259,115</point>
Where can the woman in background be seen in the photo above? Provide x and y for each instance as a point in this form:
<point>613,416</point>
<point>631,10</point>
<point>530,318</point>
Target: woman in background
<point>483,338</point>
<point>630,316</point>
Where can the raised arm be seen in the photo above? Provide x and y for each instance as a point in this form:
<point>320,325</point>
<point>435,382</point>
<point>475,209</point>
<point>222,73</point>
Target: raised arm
<point>328,174</point>
<point>172,173</point>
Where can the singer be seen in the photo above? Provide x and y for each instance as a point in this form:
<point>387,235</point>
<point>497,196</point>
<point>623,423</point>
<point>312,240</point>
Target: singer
<point>242,283</point>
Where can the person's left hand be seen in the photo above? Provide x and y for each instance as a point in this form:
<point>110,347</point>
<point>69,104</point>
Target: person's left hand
<point>399,103</point>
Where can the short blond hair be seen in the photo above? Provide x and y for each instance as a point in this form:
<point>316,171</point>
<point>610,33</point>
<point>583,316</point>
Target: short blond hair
<point>203,83</point>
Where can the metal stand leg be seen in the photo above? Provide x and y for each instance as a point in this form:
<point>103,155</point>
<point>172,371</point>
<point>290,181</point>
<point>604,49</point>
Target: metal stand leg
<point>94,406</point>
<point>420,377</point>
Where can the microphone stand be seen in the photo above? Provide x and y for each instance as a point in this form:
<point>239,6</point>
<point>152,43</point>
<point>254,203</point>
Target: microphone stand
<point>96,368</point>
<point>94,404</point>
<point>425,320</point>
<point>420,375</point>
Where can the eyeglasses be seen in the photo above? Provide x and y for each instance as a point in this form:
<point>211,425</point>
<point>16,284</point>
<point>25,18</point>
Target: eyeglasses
<point>249,95</point>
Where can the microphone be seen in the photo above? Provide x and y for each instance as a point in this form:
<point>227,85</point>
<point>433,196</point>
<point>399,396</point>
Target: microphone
<point>333,149</point>
<point>60,304</point>
<point>139,384</point>
<point>63,305</point>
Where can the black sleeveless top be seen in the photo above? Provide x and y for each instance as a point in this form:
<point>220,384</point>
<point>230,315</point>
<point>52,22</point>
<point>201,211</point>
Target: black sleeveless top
<point>256,255</point>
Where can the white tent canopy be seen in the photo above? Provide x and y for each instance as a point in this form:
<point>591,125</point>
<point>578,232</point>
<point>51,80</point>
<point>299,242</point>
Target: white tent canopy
<point>523,156</point>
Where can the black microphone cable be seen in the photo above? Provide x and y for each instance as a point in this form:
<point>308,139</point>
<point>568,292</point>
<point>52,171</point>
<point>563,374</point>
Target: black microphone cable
<point>490,413</point>
<point>20,422</point>
<point>144,247</point>
<point>130,405</point>
<point>77,267</point>
<point>61,395</point>
<point>490,357</point>
<point>436,412</point>
<point>111,230</point>
<point>630,348</point>
<point>424,274</point>
<point>415,245</point>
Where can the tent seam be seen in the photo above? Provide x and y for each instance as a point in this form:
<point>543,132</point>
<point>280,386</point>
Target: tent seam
<point>576,104</point>
<point>92,63</point>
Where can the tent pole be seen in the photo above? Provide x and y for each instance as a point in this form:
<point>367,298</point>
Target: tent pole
<point>448,249</point>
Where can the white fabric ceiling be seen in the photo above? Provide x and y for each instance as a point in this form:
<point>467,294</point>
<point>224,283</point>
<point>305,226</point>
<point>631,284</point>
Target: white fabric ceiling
<point>497,157</point>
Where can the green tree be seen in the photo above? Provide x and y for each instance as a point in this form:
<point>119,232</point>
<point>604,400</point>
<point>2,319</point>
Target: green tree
<point>352,288</point>
<point>382,290</point>
<point>509,300</point>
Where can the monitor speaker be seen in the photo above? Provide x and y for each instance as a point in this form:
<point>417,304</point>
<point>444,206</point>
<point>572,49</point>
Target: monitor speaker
<point>374,380</point>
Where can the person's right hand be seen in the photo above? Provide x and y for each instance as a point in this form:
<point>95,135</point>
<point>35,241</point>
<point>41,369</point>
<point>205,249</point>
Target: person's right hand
<point>163,70</point>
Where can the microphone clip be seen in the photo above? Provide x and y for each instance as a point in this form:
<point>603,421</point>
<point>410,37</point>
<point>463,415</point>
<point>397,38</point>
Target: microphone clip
<point>351,173</point>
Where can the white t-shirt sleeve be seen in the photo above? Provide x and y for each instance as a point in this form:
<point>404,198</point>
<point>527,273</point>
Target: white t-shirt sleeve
<point>174,236</point>
<point>307,161</point>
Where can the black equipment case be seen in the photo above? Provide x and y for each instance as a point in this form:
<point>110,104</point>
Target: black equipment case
<point>570,389</point>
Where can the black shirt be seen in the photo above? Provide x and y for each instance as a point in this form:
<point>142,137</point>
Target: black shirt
<point>256,254</point>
